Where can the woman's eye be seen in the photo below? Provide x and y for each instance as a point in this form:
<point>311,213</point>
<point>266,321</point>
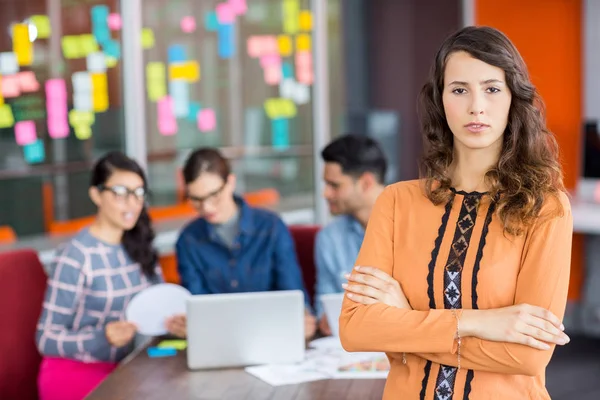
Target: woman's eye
<point>459,91</point>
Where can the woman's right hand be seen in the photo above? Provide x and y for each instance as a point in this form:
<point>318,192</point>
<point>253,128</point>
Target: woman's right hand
<point>524,324</point>
<point>120,333</point>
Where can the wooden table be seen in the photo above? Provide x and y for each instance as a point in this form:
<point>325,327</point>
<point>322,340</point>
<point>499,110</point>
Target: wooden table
<point>142,377</point>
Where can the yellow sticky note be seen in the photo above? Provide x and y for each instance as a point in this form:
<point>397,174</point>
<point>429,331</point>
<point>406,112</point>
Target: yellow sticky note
<point>155,70</point>
<point>188,71</point>
<point>173,344</point>
<point>110,61</point>
<point>21,44</point>
<point>287,108</point>
<point>291,11</point>
<point>156,80</point>
<point>1,96</point>
<point>99,82</point>
<point>100,92</point>
<point>83,132</point>
<point>272,108</point>
<point>77,117</point>
<point>100,102</point>
<point>303,42</point>
<point>42,24</point>
<point>156,90</point>
<point>305,20</point>
<point>284,43</point>
<point>88,44</point>
<point>147,38</point>
<point>71,47</point>
<point>7,119</point>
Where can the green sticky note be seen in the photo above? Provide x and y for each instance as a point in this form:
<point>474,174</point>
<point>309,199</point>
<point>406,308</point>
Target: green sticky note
<point>173,344</point>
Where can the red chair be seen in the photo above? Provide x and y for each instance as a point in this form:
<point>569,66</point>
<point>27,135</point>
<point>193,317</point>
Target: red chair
<point>304,239</point>
<point>22,286</point>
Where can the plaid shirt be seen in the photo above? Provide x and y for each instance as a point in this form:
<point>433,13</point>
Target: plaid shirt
<point>90,284</point>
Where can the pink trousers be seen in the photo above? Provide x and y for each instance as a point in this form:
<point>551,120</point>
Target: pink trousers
<point>63,379</point>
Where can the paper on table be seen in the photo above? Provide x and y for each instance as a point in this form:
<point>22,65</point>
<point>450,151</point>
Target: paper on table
<point>150,308</point>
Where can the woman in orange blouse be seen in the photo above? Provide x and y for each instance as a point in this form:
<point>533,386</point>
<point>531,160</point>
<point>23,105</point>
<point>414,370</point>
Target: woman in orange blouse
<point>463,274</point>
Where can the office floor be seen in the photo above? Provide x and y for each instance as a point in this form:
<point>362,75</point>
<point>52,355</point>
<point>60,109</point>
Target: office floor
<point>574,372</point>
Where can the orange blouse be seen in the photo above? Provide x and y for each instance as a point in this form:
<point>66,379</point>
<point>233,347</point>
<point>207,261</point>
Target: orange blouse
<point>452,257</point>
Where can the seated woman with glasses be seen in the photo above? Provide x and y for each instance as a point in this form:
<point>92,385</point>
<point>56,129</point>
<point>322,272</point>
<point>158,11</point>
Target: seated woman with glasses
<point>81,332</point>
<point>233,247</point>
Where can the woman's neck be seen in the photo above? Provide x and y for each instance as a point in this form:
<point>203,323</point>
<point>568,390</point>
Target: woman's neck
<point>105,231</point>
<point>469,167</point>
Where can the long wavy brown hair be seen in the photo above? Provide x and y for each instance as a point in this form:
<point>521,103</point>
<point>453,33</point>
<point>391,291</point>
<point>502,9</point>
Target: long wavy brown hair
<point>528,169</point>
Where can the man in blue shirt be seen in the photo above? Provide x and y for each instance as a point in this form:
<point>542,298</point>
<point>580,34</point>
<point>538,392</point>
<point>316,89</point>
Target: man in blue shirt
<point>233,247</point>
<point>354,174</point>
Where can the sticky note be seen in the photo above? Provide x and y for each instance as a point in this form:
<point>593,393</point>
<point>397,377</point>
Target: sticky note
<point>305,21</point>
<point>291,12</point>
<point>11,86</point>
<point>225,14</point>
<point>22,47</point>
<point>270,45</point>
<point>83,132</point>
<point>88,44</point>
<point>83,101</point>
<point>147,38</point>
<point>82,82</point>
<point>287,88</point>
<point>303,42</point>
<point>254,46</point>
<point>207,120</point>
<point>42,24</point>
<point>188,24</point>
<point>100,92</point>
<point>6,116</point>
<point>25,132</point>
<point>96,62</point>
<point>99,82</point>
<point>193,111</point>
<point>28,82</point>
<point>301,94</point>
<point>173,344</point>
<point>156,77</point>
<point>81,117</point>
<point>99,13</point>
<point>239,7</point>
<point>56,90</point>
<point>287,70</point>
<point>155,352</point>
<point>303,59</point>
<point>305,76</point>
<point>280,133</point>
<point>188,71</point>
<point>8,63</point>
<point>284,43</point>
<point>167,124</point>
<point>272,108</point>
<point>272,74</point>
<point>114,21</point>
<point>34,152</point>
<point>270,60</point>
<point>112,48</point>
<point>110,61</point>
<point>280,108</point>
<point>1,97</point>
<point>179,91</point>
<point>176,53</point>
<point>226,48</point>
<point>211,21</point>
<point>56,108</point>
<point>71,47</point>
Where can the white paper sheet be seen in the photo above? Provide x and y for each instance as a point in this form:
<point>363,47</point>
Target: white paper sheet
<point>150,308</point>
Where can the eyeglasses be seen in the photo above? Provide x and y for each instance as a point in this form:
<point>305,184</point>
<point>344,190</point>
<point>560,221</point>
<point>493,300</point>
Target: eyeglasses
<point>122,193</point>
<point>210,198</point>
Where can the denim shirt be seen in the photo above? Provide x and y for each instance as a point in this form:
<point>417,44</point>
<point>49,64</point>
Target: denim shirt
<point>336,248</point>
<point>262,258</point>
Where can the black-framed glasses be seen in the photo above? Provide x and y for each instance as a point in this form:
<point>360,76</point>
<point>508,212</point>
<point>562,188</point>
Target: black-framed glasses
<point>209,198</point>
<point>122,193</point>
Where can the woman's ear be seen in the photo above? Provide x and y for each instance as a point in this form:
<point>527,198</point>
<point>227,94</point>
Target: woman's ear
<point>231,182</point>
<point>94,194</point>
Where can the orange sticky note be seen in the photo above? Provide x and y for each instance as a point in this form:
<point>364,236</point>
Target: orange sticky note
<point>21,44</point>
<point>284,43</point>
<point>303,42</point>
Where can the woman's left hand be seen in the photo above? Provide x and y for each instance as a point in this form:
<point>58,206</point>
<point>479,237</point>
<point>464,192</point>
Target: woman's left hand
<point>368,285</point>
<point>177,325</point>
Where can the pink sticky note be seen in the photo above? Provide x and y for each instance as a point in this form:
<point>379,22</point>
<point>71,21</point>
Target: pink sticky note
<point>239,7</point>
<point>305,76</point>
<point>167,124</point>
<point>303,59</point>
<point>207,120</point>
<point>114,22</point>
<point>28,82</point>
<point>225,14</point>
<point>188,24</point>
<point>270,60</point>
<point>272,75</point>
<point>25,132</point>
<point>255,46</point>
<point>56,89</point>
<point>11,86</point>
<point>270,45</point>
<point>56,108</point>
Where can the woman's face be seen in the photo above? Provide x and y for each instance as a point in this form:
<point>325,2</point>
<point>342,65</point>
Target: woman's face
<point>121,199</point>
<point>209,194</point>
<point>476,101</point>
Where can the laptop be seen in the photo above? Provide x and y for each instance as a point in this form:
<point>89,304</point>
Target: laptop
<point>332,306</point>
<point>242,329</point>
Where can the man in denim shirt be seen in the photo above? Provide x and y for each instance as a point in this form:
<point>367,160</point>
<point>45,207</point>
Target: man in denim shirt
<point>354,174</point>
<point>233,247</point>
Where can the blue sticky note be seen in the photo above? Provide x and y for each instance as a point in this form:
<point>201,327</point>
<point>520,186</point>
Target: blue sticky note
<point>34,152</point>
<point>101,33</point>
<point>180,93</point>
<point>176,53</point>
<point>280,133</point>
<point>112,48</point>
<point>161,352</point>
<point>100,28</point>
<point>226,46</point>
<point>211,22</point>
<point>99,13</point>
<point>193,111</point>
<point>287,70</point>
